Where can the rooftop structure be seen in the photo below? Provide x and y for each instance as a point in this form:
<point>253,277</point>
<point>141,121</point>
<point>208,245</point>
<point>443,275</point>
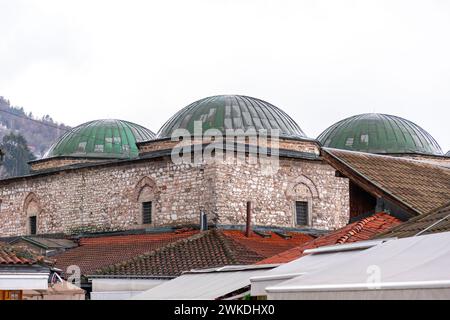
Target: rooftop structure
<point>379,133</point>
<point>110,139</point>
<point>234,112</point>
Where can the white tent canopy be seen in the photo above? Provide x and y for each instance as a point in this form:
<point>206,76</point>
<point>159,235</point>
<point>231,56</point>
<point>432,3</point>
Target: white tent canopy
<point>206,284</point>
<point>316,259</point>
<point>410,268</point>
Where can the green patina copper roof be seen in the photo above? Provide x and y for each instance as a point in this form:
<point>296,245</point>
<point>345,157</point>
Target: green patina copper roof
<point>379,133</point>
<point>232,112</point>
<point>101,139</point>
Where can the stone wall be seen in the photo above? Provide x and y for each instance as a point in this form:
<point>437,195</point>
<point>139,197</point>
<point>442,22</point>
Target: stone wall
<point>108,197</point>
<point>273,196</point>
<point>104,198</point>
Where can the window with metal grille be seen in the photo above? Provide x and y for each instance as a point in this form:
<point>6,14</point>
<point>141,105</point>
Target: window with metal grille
<point>33,225</point>
<point>301,212</point>
<point>147,212</point>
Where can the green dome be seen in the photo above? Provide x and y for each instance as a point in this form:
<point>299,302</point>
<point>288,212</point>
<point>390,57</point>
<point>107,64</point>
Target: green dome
<point>112,139</point>
<point>379,133</point>
<point>232,112</point>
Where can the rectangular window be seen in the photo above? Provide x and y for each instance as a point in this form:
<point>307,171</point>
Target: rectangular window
<point>301,212</point>
<point>147,212</point>
<point>33,225</point>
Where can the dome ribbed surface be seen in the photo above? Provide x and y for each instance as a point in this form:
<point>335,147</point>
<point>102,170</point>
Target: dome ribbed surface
<point>101,139</point>
<point>379,133</point>
<point>232,112</point>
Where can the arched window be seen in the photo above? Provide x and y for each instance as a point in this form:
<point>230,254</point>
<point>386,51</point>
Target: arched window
<point>303,205</point>
<point>302,191</point>
<point>145,194</point>
<point>147,202</point>
<point>32,209</point>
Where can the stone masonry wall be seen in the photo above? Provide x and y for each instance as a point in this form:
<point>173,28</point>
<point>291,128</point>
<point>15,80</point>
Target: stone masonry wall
<point>107,197</point>
<point>273,196</point>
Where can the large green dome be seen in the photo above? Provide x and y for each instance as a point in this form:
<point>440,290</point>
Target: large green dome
<point>232,112</point>
<point>113,139</point>
<point>379,133</point>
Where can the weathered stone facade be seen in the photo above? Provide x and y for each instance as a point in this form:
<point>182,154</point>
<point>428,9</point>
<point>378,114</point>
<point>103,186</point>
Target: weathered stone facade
<point>274,196</point>
<point>109,196</point>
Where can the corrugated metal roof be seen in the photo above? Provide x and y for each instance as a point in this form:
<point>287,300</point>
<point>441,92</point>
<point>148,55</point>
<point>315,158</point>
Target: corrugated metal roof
<point>207,285</point>
<point>232,112</point>
<point>379,133</point>
<point>108,138</point>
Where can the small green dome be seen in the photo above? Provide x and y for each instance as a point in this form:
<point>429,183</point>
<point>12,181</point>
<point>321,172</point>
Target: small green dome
<point>232,112</point>
<point>379,133</point>
<point>112,139</point>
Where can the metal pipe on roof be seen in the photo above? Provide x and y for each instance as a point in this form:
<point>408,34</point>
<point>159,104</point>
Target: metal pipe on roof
<point>248,228</point>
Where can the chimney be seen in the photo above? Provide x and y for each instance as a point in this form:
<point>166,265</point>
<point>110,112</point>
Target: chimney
<point>248,227</point>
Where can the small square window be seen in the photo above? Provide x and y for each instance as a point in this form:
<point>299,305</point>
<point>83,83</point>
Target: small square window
<point>301,213</point>
<point>82,147</point>
<point>365,138</point>
<point>147,212</point>
<point>349,142</point>
<point>98,148</point>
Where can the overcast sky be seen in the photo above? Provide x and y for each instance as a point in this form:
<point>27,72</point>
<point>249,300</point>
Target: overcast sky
<point>142,61</point>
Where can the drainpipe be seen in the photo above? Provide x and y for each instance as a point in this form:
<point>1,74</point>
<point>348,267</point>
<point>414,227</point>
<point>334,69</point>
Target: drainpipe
<point>248,227</point>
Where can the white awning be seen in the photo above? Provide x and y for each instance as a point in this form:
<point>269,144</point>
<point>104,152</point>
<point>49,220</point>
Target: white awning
<point>410,268</point>
<point>204,284</point>
<point>316,259</point>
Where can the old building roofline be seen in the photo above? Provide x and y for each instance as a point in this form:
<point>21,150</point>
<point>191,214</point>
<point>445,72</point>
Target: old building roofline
<point>145,156</point>
<point>307,139</point>
<point>363,181</point>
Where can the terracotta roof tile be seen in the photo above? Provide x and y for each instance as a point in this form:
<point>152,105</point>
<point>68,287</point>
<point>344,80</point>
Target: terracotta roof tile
<point>15,256</point>
<point>98,252</point>
<point>419,185</point>
<point>364,229</point>
<point>433,222</point>
<point>208,249</point>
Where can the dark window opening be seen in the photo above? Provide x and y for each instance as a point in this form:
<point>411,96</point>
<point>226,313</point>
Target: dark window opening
<point>301,211</point>
<point>33,225</point>
<point>147,212</point>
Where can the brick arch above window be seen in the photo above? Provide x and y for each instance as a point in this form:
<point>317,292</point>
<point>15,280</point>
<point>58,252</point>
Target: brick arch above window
<point>31,200</point>
<point>145,186</point>
<point>301,185</point>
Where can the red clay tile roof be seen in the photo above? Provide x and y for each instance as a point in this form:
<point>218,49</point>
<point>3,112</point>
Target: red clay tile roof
<point>269,246</point>
<point>208,249</point>
<point>433,222</point>
<point>98,252</point>
<point>419,186</point>
<point>364,229</point>
<point>10,255</point>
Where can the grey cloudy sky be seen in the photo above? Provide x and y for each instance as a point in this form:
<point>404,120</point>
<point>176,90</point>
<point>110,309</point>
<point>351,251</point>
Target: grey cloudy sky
<point>320,61</point>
